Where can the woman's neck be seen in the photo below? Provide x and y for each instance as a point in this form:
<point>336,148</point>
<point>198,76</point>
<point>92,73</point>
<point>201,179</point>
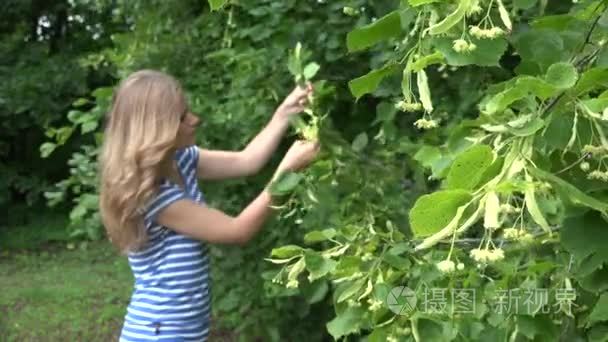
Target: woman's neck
<point>169,171</point>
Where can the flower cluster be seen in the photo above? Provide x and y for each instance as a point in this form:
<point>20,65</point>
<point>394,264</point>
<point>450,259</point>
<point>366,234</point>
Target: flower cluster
<point>598,175</point>
<point>594,150</point>
<point>408,106</point>
<point>446,266</point>
<point>474,9</point>
<point>517,235</point>
<point>374,304</point>
<point>486,255</point>
<point>350,11</point>
<point>461,45</point>
<point>480,33</point>
<point>425,124</point>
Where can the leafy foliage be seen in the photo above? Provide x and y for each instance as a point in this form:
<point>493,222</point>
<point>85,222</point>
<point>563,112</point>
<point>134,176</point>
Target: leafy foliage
<point>463,148</point>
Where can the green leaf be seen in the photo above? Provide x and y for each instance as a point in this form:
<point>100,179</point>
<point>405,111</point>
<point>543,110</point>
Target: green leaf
<point>431,157</point>
<point>434,211</point>
<point>562,75</point>
<point>541,88</point>
<point>600,310</point>
<point>542,47</point>
<point>46,149</point>
<point>469,166</point>
<point>368,83</point>
<point>492,171</point>
<point>381,29</point>
<point>351,289</point>
<point>317,265</point>
<point>584,236</point>
<point>487,53</point>
<point>524,4</point>
<point>217,4</point>
<point>78,212</point>
<point>88,126</point>
<point>285,183</point>
<point>596,281</point>
<point>559,129</point>
<point>538,325</point>
<point>311,70</point>
<point>521,88</point>
<point>287,251</point>
<point>415,3</point>
<point>316,291</point>
<point>573,193</point>
<point>346,323</point>
<point>528,129</point>
<point>396,261</point>
<point>452,19</point>
<point>360,142</point>
<point>592,79</point>
<point>80,102</point>
<point>423,62</point>
<point>318,236</point>
<point>502,100</point>
<point>598,333</point>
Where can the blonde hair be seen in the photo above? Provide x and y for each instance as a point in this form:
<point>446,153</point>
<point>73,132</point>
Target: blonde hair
<point>140,134</point>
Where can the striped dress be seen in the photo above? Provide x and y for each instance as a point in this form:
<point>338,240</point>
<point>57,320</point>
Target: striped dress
<point>171,296</point>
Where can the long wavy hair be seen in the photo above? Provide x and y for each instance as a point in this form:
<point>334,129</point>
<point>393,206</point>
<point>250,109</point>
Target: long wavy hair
<point>139,137</point>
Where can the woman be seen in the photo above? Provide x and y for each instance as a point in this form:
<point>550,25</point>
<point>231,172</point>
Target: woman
<point>154,212</point>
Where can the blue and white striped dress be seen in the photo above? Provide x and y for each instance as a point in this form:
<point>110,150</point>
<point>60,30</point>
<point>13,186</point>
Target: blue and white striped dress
<point>171,297</point>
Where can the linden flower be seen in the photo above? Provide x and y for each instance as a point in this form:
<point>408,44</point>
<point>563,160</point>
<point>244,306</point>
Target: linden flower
<point>475,31</point>
<point>460,45</point>
<point>491,33</point>
<point>350,11</point>
<point>374,304</point>
<point>446,266</point>
<point>484,255</point>
<point>460,266</point>
<point>408,106</point>
<point>510,233</point>
<point>595,150</point>
<point>599,175</point>
<point>475,9</point>
<point>496,32</point>
<point>425,124</point>
<point>496,255</point>
<point>585,166</point>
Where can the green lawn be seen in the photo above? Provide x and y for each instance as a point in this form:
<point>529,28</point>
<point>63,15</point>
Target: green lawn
<point>63,295</point>
<point>51,293</point>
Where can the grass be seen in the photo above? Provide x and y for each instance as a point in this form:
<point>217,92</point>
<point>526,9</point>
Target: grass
<point>49,292</point>
<point>63,295</point>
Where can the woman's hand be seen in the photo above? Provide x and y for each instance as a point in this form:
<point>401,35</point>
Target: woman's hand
<point>299,155</point>
<point>295,102</point>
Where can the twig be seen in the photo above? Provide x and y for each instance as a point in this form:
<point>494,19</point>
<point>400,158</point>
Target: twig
<point>582,62</point>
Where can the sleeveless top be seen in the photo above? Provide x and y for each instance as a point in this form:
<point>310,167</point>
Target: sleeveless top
<point>171,298</point>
